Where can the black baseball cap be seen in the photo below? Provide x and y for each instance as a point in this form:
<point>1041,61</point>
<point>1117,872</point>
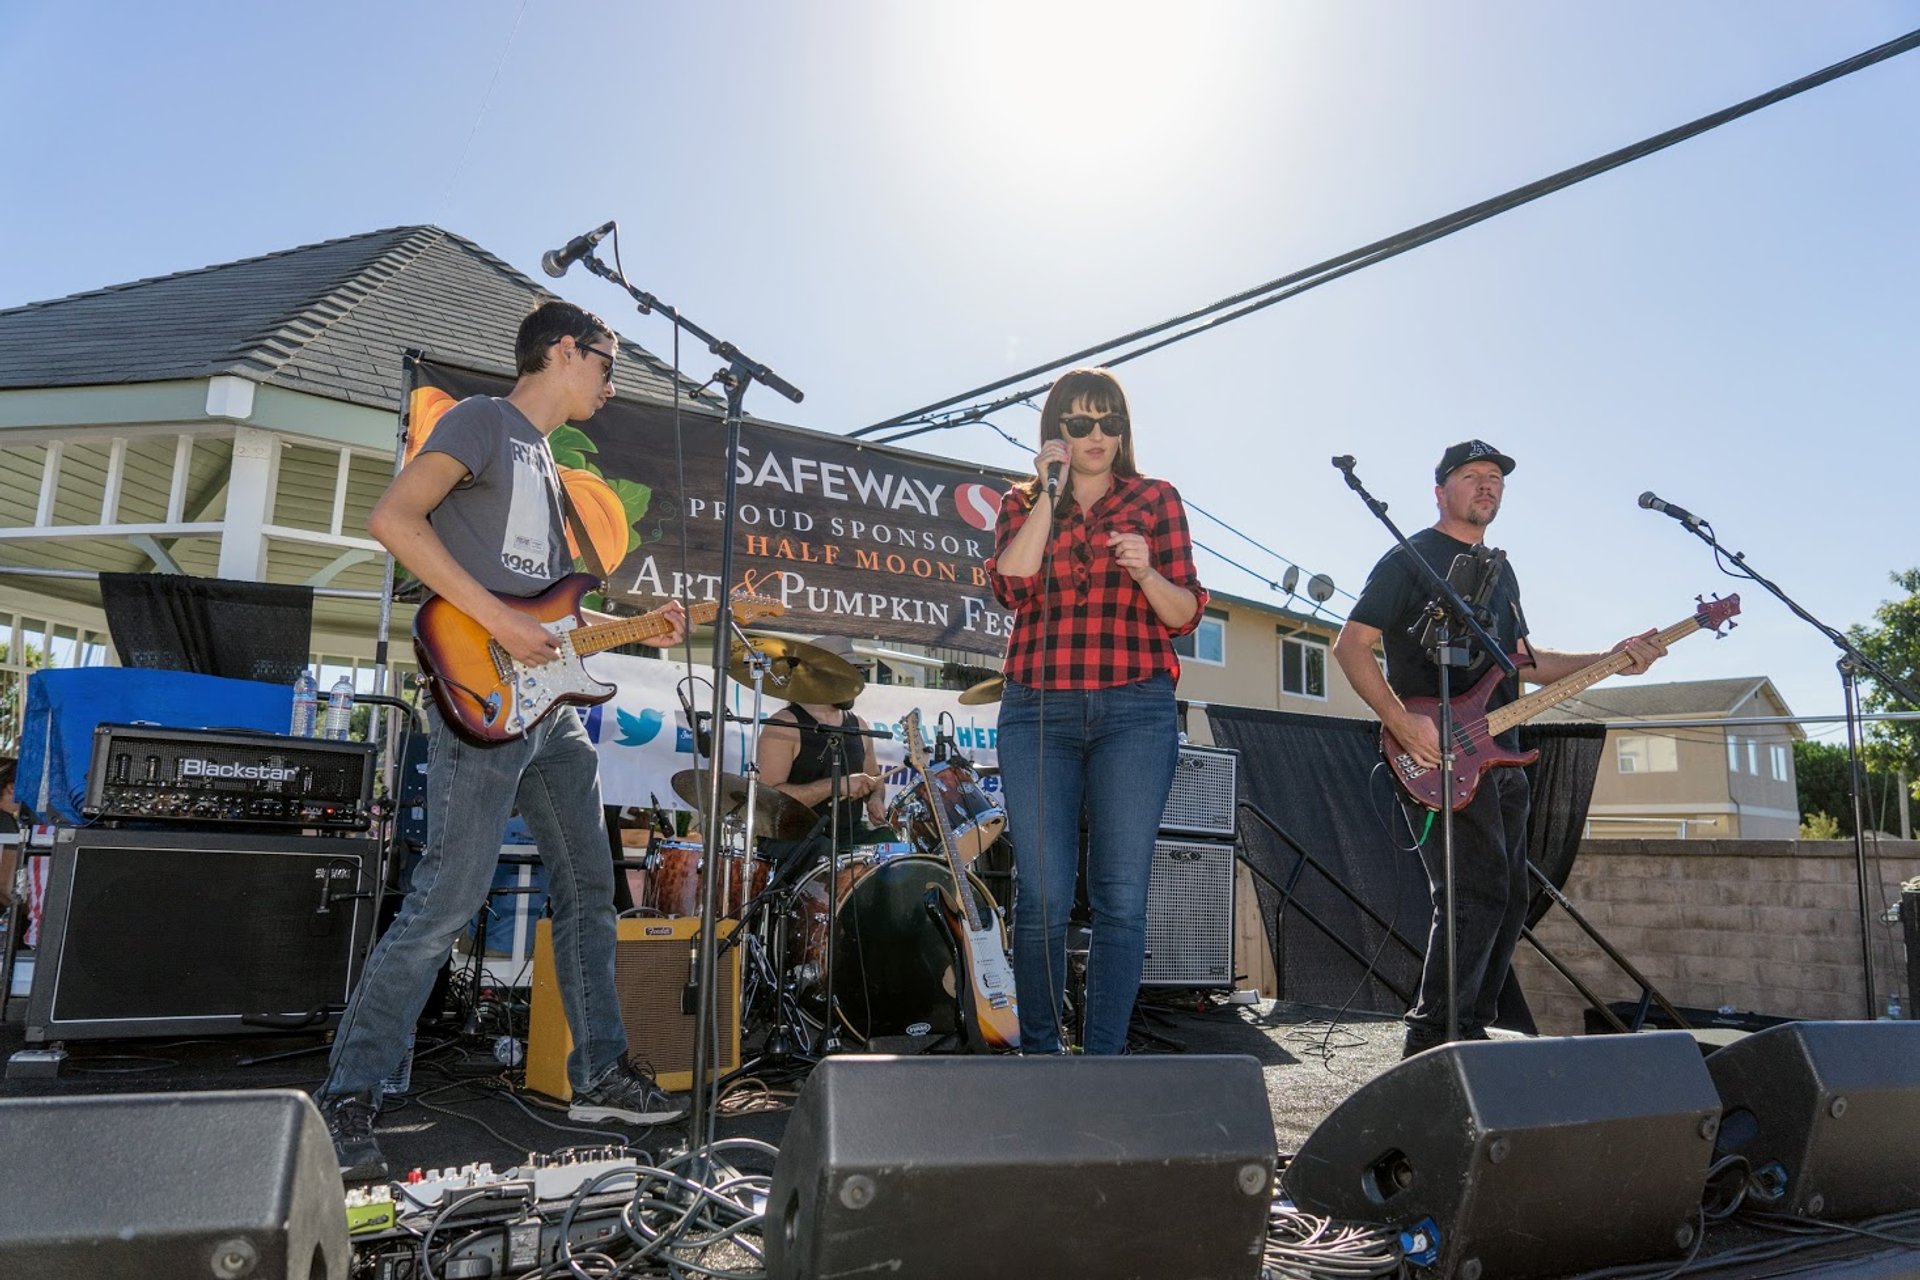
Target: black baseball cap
<point>1469,451</point>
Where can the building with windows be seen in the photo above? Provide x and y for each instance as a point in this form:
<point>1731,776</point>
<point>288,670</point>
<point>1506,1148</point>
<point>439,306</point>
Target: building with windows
<point>1251,654</point>
<point>1712,782</point>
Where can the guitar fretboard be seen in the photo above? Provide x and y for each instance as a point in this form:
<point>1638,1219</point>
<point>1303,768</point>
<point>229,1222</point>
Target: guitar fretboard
<point>1520,710</point>
<point>605,635</point>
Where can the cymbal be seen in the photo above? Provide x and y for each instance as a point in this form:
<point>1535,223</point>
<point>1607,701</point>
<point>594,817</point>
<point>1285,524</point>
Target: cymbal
<point>984,692</point>
<point>800,672</point>
<point>776,815</point>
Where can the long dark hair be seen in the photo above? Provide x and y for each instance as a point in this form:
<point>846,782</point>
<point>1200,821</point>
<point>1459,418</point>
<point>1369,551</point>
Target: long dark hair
<point>1101,391</point>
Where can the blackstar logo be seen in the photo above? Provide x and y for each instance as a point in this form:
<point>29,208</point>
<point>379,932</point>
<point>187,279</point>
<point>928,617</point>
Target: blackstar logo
<point>192,768</point>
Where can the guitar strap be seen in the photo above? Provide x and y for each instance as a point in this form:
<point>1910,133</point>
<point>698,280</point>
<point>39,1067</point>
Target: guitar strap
<point>588,551</point>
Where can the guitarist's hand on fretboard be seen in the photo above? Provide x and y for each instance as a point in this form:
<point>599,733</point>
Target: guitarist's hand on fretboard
<point>1645,649</point>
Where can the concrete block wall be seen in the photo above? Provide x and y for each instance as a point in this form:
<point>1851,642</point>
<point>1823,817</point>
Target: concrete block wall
<point>1767,926</point>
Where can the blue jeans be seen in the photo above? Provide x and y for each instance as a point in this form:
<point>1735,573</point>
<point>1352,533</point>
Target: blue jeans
<point>1113,751</point>
<point>553,776</point>
<point>1490,896</point>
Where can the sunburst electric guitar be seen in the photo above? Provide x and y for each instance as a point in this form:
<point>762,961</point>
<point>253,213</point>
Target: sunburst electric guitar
<point>490,696</point>
<point>1476,733</point>
<point>982,975</point>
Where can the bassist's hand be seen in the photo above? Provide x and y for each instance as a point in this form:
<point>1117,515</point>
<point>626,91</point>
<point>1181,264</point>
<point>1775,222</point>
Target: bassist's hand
<point>526,638</point>
<point>1418,736</point>
<point>1644,650</point>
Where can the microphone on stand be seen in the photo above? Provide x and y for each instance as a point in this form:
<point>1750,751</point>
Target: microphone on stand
<point>702,738</point>
<point>1653,502</point>
<point>556,261</point>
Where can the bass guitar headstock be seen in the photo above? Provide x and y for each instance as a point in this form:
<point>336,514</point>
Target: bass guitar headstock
<point>1715,614</point>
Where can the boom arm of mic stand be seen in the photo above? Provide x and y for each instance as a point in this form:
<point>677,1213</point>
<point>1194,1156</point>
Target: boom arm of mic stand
<point>738,362</point>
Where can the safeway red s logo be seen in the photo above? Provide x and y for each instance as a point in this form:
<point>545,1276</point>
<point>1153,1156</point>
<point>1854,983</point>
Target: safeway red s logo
<point>978,504</point>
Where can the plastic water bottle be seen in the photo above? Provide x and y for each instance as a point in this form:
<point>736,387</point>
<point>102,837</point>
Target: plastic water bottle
<point>402,1077</point>
<point>306,697</point>
<point>340,709</point>
<point>509,1050</point>
<point>1893,1005</point>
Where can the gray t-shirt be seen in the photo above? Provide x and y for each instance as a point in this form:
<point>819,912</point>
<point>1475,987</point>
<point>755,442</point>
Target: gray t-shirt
<point>504,523</point>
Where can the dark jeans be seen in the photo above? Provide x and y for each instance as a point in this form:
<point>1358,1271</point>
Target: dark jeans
<point>1112,750</point>
<point>1490,895</point>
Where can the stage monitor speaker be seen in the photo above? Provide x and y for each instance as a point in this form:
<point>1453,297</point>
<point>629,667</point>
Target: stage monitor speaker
<point>937,1167</point>
<point>1827,1115</point>
<point>1190,915</point>
<point>651,962</point>
<point>174,933</point>
<point>209,1185</point>
<point>1205,796</point>
<point>1527,1157</point>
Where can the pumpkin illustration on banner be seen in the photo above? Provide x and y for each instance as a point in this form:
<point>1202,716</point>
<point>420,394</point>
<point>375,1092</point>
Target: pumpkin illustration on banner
<point>609,507</point>
<point>424,410</point>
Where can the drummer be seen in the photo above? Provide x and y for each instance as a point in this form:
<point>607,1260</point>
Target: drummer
<point>795,757</point>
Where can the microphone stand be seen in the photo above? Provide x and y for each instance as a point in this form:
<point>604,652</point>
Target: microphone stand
<point>739,373</point>
<point>837,736</point>
<point>1851,665</point>
<point>1444,608</point>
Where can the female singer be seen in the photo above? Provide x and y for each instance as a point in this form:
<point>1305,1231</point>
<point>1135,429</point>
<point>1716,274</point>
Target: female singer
<point>1096,563</point>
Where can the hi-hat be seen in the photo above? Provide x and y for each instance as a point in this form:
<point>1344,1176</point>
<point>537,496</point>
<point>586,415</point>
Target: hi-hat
<point>984,692</point>
<point>800,672</point>
<point>776,815</point>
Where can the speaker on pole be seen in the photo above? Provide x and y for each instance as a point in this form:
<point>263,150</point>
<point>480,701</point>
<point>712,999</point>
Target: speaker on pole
<point>241,1184</point>
<point>1062,1167</point>
<point>1521,1158</point>
<point>1826,1114</point>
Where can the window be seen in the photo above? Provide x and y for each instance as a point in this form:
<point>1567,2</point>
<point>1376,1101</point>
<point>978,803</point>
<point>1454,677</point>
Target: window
<point>1781,759</point>
<point>1733,754</point>
<point>1647,753</point>
<point>1303,665</point>
<point>1207,642</point>
<point>1753,756</point>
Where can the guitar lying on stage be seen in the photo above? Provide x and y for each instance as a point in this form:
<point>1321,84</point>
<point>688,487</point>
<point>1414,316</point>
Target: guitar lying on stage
<point>491,696</point>
<point>1475,730</point>
<point>982,975</point>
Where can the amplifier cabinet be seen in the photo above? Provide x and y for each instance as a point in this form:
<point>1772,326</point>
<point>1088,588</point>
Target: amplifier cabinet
<point>1190,915</point>
<point>1205,795</point>
<point>168,933</point>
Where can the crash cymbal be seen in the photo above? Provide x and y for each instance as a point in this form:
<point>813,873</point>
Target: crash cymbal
<point>984,692</point>
<point>776,815</point>
<point>800,672</point>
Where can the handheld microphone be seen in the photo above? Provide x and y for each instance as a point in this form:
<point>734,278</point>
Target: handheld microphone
<point>1053,479</point>
<point>556,261</point>
<point>1653,502</point>
<point>702,739</point>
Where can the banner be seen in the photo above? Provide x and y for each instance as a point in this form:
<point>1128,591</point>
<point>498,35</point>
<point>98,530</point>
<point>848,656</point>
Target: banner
<point>853,539</point>
<point>643,738</point>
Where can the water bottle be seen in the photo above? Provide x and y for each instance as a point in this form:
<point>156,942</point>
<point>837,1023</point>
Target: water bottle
<point>509,1051</point>
<point>306,697</point>
<point>340,709</point>
<point>402,1077</point>
<point>1893,1005</point>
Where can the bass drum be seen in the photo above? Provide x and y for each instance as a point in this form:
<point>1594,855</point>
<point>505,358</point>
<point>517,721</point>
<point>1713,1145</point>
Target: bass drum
<point>893,963</point>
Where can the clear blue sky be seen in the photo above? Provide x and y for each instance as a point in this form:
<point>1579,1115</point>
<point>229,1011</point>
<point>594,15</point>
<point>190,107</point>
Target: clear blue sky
<point>889,203</point>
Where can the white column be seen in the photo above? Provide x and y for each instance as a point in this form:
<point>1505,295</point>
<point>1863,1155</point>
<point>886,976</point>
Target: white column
<point>254,477</point>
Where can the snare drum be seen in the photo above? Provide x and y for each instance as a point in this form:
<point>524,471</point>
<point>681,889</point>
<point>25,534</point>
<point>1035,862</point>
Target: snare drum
<point>974,817</point>
<point>675,882</point>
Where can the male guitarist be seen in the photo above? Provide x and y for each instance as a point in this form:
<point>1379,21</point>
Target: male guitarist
<point>478,512</point>
<point>1490,834</point>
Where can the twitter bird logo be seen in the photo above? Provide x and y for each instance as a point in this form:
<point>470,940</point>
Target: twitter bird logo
<point>638,731</point>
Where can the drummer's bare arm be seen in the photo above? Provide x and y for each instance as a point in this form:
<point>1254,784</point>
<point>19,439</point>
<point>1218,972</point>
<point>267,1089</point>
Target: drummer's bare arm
<point>780,744</point>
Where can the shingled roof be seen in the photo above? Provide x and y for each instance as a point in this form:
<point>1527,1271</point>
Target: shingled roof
<point>1641,701</point>
<point>331,319</point>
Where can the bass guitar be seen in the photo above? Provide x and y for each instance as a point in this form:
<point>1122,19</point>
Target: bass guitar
<point>1476,731</point>
<point>982,974</point>
<point>490,696</point>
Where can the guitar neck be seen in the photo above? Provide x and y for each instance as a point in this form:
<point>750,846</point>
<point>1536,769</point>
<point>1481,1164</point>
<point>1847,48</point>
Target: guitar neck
<point>917,757</point>
<point>1521,710</point>
<point>605,635</point>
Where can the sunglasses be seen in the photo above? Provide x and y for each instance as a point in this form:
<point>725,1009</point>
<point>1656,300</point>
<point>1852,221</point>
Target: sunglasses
<point>1080,425</point>
<point>604,355</point>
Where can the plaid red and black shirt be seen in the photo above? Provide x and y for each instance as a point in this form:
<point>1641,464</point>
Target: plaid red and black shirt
<point>1091,626</point>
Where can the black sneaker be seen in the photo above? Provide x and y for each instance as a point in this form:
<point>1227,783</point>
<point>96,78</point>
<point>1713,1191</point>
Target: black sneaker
<point>626,1094</point>
<point>350,1124</point>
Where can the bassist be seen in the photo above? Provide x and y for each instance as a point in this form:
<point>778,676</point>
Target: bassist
<point>1490,833</point>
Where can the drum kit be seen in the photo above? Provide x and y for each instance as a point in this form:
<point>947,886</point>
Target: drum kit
<point>856,923</point>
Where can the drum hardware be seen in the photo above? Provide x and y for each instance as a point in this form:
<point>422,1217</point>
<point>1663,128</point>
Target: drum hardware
<point>986,691</point>
<point>768,814</point>
<point>973,816</point>
<point>798,671</point>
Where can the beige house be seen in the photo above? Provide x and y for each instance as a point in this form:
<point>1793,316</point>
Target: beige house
<point>1249,654</point>
<point>1660,778</point>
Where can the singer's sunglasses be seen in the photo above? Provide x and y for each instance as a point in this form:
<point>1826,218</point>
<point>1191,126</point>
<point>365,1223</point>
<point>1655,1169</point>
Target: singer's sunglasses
<point>1080,425</point>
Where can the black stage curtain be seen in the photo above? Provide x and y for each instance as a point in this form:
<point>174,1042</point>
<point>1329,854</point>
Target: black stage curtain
<point>1321,780</point>
<point>209,626</point>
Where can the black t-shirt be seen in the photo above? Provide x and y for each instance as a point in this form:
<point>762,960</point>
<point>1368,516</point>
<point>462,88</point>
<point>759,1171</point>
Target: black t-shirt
<point>1393,601</point>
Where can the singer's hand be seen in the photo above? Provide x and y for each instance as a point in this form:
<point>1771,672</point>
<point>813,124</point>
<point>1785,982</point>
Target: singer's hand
<point>1052,454</point>
<point>672,612</point>
<point>1644,649</point>
<point>526,639</point>
<point>1131,550</point>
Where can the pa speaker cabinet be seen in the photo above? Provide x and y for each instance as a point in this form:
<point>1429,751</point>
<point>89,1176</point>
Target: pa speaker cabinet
<point>170,933</point>
<point>1827,1115</point>
<point>651,962</point>
<point>1190,915</point>
<point>1206,793</point>
<point>1529,1156</point>
<point>241,1184</point>
<point>937,1167</point>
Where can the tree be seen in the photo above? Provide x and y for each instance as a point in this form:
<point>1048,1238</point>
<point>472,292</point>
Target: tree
<point>1820,773</point>
<point>1893,746</point>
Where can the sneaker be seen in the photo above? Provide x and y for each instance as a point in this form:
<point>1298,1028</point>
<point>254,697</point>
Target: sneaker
<point>350,1124</point>
<point>626,1094</point>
